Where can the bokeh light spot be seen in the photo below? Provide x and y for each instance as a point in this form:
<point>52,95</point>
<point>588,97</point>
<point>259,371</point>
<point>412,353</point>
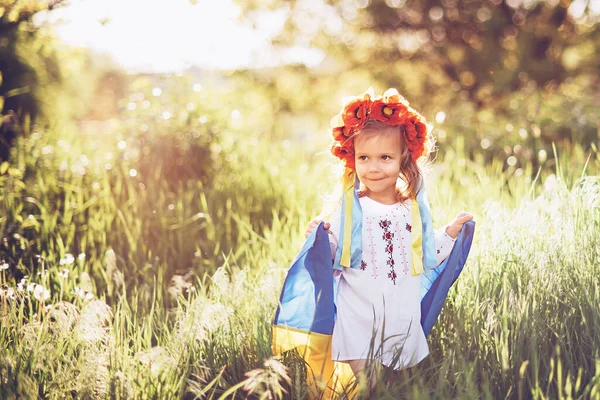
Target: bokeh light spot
<point>523,133</point>
<point>436,13</point>
<point>440,117</point>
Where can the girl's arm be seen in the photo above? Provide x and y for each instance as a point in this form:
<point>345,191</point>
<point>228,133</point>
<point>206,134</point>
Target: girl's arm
<point>443,244</point>
<point>445,237</point>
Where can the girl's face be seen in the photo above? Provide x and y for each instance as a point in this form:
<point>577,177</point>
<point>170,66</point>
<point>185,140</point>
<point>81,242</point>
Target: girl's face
<point>377,155</point>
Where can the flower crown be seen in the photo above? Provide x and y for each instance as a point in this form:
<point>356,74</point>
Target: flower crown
<point>391,109</point>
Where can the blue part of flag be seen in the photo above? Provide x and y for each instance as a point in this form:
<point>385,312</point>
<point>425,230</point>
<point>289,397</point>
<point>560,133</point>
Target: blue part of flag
<point>435,283</point>
<point>307,300</point>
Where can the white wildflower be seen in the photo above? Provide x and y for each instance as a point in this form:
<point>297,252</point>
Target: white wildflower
<point>67,260</point>
<point>79,292</point>
<point>82,294</point>
<point>41,293</point>
<point>4,265</point>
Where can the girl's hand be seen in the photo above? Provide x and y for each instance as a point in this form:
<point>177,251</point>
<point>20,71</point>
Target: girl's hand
<point>315,222</point>
<point>454,228</point>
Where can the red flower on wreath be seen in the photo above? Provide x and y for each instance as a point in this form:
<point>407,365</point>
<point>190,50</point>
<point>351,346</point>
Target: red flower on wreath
<point>339,134</point>
<point>390,109</point>
<point>389,113</point>
<point>345,152</point>
<point>415,133</point>
<point>356,112</point>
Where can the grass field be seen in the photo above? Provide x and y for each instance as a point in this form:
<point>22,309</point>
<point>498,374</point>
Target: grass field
<point>120,284</point>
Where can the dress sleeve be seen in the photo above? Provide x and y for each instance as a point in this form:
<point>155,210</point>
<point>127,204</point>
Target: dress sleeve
<point>443,244</point>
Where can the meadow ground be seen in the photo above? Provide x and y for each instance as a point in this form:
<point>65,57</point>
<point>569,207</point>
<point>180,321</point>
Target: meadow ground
<point>118,284</point>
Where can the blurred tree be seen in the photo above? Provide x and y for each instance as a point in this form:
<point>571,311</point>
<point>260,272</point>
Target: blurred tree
<point>500,79</point>
<point>19,78</point>
<point>484,48</point>
<point>8,133</point>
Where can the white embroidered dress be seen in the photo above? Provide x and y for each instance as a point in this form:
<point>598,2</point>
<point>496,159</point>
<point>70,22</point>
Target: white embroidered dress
<point>382,299</point>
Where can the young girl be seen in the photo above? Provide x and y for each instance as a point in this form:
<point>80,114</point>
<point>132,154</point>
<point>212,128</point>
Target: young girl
<point>380,236</point>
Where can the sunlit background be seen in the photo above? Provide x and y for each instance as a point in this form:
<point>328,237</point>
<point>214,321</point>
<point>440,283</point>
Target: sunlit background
<point>171,36</point>
<point>160,161</point>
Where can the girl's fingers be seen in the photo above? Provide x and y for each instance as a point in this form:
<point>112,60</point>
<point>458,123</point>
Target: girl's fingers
<point>311,227</point>
<point>464,217</point>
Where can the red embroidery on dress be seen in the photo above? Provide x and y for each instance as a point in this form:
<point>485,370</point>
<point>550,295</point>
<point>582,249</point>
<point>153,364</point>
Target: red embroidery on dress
<point>388,237</point>
<point>408,227</point>
<point>363,265</point>
<point>402,249</point>
<point>372,249</point>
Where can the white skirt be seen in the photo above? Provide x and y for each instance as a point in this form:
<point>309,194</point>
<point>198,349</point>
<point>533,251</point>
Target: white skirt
<point>378,321</point>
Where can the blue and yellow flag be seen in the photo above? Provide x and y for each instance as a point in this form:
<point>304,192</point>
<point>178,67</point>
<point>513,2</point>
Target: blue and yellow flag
<point>306,314</point>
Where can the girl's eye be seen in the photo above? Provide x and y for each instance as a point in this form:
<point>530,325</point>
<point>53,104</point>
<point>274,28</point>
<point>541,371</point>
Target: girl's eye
<point>385,158</point>
<point>362,158</point>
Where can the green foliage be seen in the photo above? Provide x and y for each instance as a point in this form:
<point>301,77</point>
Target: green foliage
<point>524,133</point>
<point>30,70</point>
<point>486,49</point>
<point>511,77</point>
